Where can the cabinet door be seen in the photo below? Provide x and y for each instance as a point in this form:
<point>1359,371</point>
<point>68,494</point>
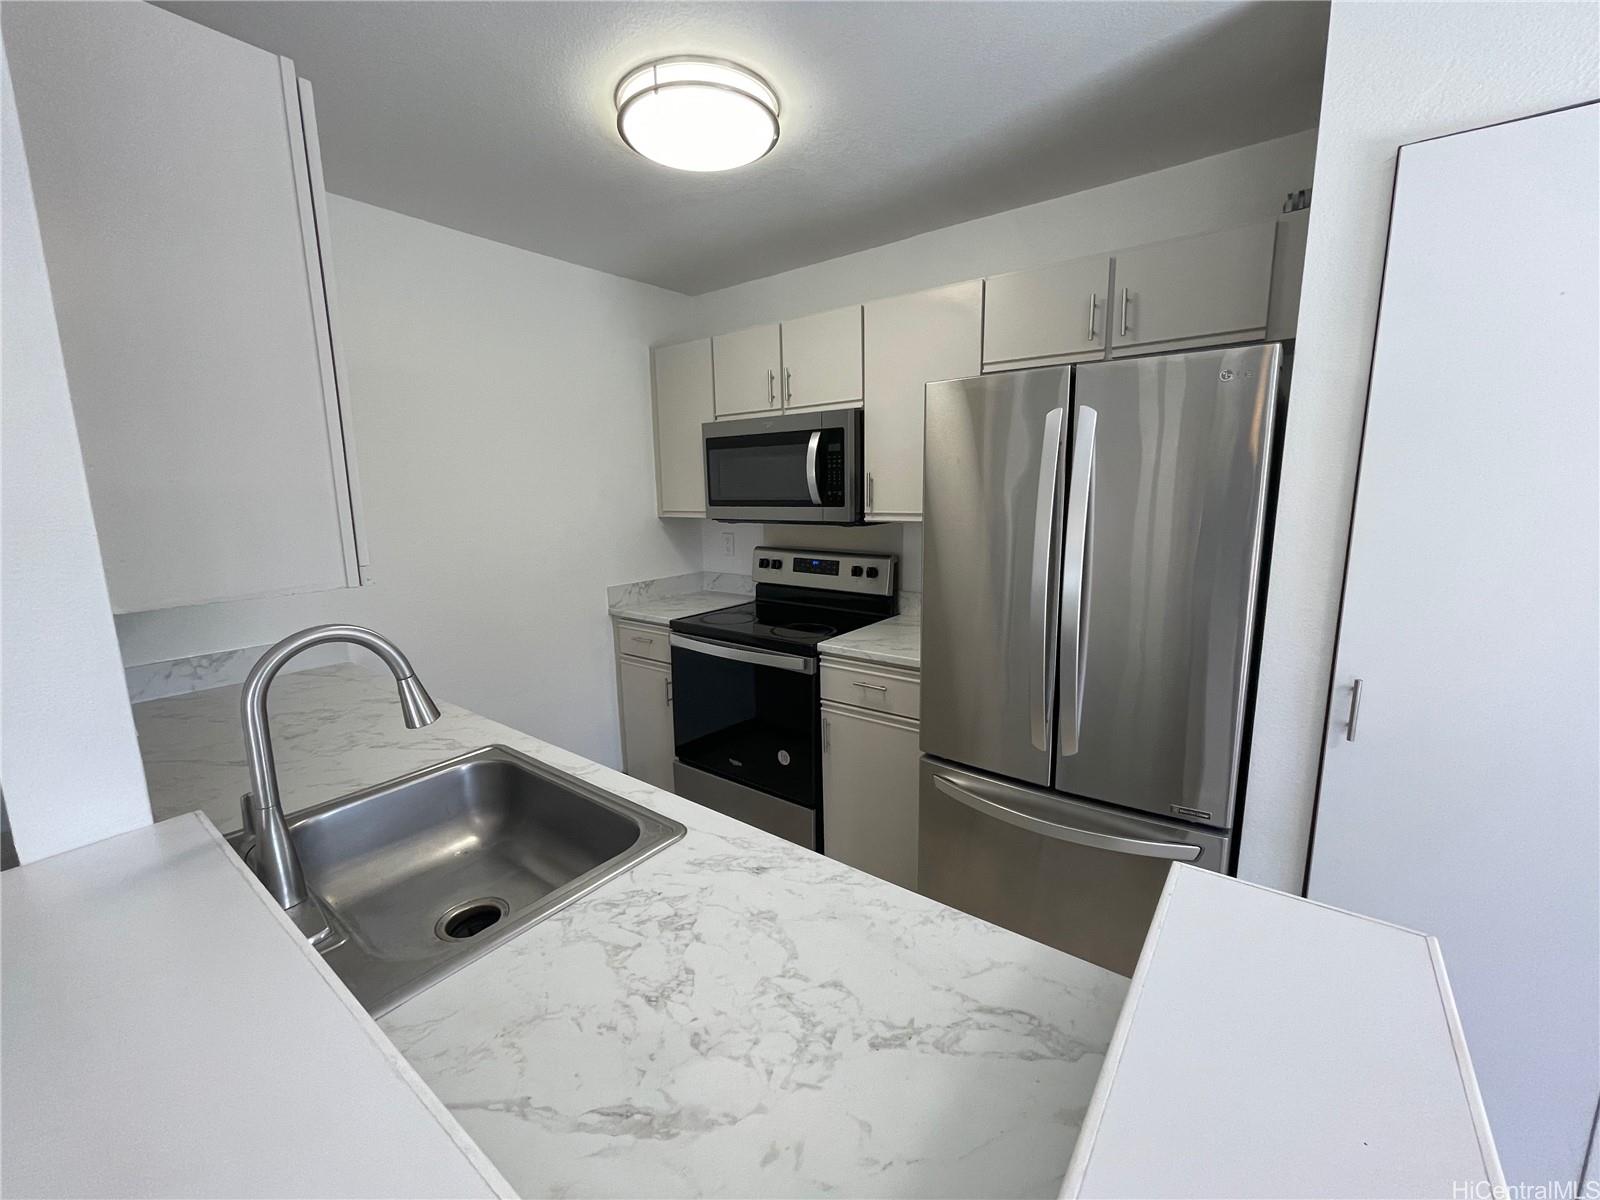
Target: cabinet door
<point>1194,291</point>
<point>745,368</point>
<point>175,198</point>
<point>647,746</point>
<point>911,341</point>
<point>822,358</point>
<point>869,793</point>
<point>683,405</point>
<point>1052,314</point>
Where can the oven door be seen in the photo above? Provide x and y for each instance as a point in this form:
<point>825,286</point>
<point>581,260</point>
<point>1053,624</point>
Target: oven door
<point>748,715</point>
<point>799,467</point>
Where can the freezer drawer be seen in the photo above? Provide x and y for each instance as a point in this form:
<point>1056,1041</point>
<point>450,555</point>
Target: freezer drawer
<point>1082,877</point>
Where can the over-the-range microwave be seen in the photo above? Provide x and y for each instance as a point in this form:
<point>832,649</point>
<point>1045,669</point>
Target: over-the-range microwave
<point>794,467</point>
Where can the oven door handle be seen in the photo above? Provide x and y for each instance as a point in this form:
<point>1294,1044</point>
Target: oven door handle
<point>811,466</point>
<point>761,658</point>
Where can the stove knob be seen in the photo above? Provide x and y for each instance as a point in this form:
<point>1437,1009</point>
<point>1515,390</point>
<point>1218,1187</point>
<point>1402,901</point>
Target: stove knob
<point>872,572</point>
<point>856,571</point>
<point>764,563</point>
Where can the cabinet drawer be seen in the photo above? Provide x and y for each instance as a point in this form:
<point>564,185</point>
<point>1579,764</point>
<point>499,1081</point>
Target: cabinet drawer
<point>877,689</point>
<point>643,641</point>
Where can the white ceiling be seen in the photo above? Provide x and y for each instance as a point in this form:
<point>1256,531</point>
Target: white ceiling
<point>496,118</point>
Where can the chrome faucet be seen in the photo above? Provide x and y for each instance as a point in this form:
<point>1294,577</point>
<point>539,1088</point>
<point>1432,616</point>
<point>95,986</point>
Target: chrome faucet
<point>276,863</point>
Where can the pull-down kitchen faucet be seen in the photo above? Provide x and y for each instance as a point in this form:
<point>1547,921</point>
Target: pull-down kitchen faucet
<point>276,863</point>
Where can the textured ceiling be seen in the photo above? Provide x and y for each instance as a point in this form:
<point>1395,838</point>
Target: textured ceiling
<point>496,118</point>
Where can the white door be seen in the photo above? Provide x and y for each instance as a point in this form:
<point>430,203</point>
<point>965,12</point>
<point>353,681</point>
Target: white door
<point>745,366</point>
<point>647,721</point>
<point>822,358</point>
<point>869,793</point>
<point>1465,799</point>
<point>912,341</point>
<point>1194,291</point>
<point>1049,315</point>
<point>175,197</point>
<point>683,405</point>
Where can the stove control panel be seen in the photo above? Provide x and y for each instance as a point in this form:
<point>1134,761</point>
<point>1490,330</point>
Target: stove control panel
<point>868,574</point>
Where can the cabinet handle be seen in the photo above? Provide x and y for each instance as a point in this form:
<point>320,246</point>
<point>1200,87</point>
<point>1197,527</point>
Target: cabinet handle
<point>788,387</point>
<point>772,397</point>
<point>1094,309</point>
<point>1355,712</point>
<point>1124,312</point>
<point>869,491</point>
<point>669,691</point>
<point>872,687</point>
<point>648,641</point>
<point>825,739</point>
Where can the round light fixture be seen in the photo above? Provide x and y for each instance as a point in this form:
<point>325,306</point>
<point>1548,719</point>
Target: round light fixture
<point>697,114</point>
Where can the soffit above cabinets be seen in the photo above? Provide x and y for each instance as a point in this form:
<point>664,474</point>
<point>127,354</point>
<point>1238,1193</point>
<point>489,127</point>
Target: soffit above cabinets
<point>497,118</point>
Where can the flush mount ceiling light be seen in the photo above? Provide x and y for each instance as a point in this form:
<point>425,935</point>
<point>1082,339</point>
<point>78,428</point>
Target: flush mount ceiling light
<point>697,114</point>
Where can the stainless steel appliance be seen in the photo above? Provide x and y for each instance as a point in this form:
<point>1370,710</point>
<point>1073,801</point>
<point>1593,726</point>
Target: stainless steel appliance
<point>794,468</point>
<point>746,696</point>
<point>1092,572</point>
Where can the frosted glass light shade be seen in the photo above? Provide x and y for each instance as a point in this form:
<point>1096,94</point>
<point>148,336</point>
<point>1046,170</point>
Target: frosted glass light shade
<point>697,114</point>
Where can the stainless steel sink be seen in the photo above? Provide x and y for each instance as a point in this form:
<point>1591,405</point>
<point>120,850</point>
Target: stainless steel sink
<point>421,875</point>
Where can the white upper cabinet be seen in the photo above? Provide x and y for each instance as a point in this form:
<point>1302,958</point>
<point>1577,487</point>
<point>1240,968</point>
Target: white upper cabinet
<point>1048,315</point>
<point>186,247</point>
<point>822,358</point>
<point>746,366</point>
<point>683,402</point>
<point>1193,291</point>
<point>911,341</point>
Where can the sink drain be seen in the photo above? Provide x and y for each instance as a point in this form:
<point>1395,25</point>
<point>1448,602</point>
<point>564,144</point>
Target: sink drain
<point>470,919</point>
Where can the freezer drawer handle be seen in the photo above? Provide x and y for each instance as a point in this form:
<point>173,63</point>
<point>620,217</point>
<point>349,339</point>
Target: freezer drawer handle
<point>1042,594</point>
<point>1078,559</point>
<point>760,658</point>
<point>1144,848</point>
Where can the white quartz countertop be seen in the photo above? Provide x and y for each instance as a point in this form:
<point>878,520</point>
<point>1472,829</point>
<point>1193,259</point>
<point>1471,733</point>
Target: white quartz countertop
<point>735,1016</point>
<point>896,642</point>
<point>658,610</point>
<point>167,1032</point>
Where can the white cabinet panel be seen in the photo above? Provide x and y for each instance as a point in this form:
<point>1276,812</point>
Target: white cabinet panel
<point>745,367</point>
<point>869,792</point>
<point>912,341</point>
<point>176,202</point>
<point>822,358</point>
<point>1193,291</point>
<point>683,403</point>
<point>646,694</point>
<point>1049,314</point>
<point>1288,265</point>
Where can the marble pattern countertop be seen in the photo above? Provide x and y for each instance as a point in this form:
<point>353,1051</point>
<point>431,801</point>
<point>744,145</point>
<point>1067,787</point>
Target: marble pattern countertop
<point>735,1016</point>
<point>658,610</point>
<point>896,642</point>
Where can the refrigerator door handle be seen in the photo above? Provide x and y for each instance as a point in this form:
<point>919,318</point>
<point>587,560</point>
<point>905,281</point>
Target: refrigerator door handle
<point>1078,562</point>
<point>1117,844</point>
<point>1042,594</point>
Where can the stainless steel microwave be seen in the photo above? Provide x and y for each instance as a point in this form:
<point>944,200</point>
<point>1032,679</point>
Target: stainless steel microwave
<point>796,468</point>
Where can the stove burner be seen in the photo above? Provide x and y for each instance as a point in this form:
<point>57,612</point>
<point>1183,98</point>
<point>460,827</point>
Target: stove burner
<point>804,629</point>
<point>732,617</point>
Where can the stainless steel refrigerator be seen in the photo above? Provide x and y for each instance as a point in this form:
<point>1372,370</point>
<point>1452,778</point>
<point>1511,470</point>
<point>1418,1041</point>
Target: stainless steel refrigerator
<point>1092,573</point>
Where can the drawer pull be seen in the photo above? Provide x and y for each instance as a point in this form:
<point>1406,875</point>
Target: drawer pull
<point>871,687</point>
<point>648,641</point>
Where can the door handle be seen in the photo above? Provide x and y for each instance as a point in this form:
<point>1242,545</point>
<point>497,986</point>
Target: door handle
<point>1355,712</point>
<point>1042,593</point>
<point>811,466</point>
<point>1093,838</point>
<point>772,396</point>
<point>1094,306</point>
<point>1078,563</point>
<point>788,387</point>
<point>759,658</point>
<point>669,691</point>
<point>1124,312</point>
<point>869,491</point>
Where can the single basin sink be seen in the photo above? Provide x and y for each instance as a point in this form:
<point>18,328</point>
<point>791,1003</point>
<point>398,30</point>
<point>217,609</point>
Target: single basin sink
<point>421,875</point>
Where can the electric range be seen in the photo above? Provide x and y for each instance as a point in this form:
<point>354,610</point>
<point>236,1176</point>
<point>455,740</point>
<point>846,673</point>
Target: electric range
<point>746,718</point>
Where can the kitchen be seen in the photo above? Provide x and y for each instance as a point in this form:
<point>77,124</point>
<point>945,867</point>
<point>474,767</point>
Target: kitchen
<point>522,470</point>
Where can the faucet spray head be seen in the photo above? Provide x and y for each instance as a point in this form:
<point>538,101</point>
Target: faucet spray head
<point>419,707</point>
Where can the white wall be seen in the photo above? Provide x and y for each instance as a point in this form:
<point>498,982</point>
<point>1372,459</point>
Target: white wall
<point>68,755</point>
<point>1396,73</point>
<point>503,435</point>
<point>1225,190</point>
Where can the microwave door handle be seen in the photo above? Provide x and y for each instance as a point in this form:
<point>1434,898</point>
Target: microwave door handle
<point>811,466</point>
<point>1041,595</point>
<point>1094,839</point>
<point>1078,562</point>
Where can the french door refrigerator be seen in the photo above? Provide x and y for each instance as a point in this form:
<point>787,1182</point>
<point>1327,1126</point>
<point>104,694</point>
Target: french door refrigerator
<point>1092,566</point>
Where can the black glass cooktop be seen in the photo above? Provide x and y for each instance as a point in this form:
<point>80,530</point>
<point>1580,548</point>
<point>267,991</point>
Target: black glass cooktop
<point>776,624</point>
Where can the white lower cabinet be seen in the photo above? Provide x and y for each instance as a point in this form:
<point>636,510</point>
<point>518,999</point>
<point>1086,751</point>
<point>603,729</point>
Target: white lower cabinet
<point>870,763</point>
<point>645,691</point>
